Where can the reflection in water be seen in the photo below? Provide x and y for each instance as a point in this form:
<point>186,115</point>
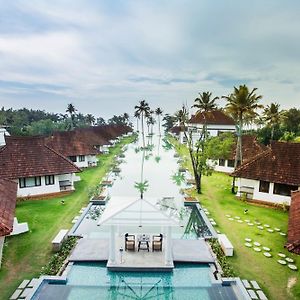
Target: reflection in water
<point>178,178</point>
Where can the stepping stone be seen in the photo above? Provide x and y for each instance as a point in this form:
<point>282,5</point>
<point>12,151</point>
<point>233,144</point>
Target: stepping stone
<point>257,223</point>
<point>260,227</point>
<point>276,229</point>
<point>25,293</point>
<point>270,230</point>
<point>282,262</point>
<point>256,249</point>
<point>249,245</point>
<point>247,221</point>
<point>292,267</point>
<point>218,231</point>
<point>290,260</point>
<point>252,294</point>
<point>266,249</point>
<point>261,295</point>
<point>211,219</point>
<point>16,294</point>
<point>207,213</point>
<point>267,254</point>
<point>24,284</point>
<point>237,218</point>
<point>267,225</point>
<point>246,284</point>
<point>240,221</point>
<point>255,285</point>
<point>228,216</point>
<point>282,233</point>
<point>230,219</point>
<point>257,244</point>
<point>248,240</point>
<point>213,223</point>
<point>281,255</point>
<point>33,282</point>
<point>250,224</point>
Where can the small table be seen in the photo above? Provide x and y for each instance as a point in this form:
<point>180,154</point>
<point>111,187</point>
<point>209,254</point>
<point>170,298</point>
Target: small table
<point>143,240</point>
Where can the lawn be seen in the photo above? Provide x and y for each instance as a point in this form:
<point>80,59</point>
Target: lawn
<point>278,282</point>
<point>26,254</point>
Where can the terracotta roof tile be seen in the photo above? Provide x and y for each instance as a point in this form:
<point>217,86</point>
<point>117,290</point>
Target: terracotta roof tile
<point>216,117</point>
<point>8,195</point>
<point>280,163</point>
<point>29,156</point>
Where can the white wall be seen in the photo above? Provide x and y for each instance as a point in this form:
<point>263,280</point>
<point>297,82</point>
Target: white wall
<point>225,168</point>
<point>39,190</point>
<point>3,133</point>
<point>257,195</point>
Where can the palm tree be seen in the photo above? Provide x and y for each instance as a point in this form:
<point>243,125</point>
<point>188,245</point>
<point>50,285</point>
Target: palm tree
<point>241,106</point>
<point>273,116</point>
<point>205,103</point>
<point>126,118</point>
<point>71,110</point>
<point>158,113</point>
<point>143,109</point>
<point>90,119</point>
<point>137,116</point>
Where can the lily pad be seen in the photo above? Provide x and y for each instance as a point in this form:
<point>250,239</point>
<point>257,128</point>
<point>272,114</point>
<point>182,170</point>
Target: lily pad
<point>267,254</point>
<point>292,267</point>
<point>282,262</point>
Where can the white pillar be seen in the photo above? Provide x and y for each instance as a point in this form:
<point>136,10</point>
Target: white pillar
<point>168,247</point>
<point>112,245</point>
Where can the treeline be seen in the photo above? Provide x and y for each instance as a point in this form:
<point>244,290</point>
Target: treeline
<point>39,122</point>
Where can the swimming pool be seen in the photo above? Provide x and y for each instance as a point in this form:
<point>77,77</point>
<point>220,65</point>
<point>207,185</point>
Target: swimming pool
<point>94,281</point>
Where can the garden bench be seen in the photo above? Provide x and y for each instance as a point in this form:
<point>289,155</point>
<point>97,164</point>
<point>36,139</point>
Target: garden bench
<point>225,245</point>
<point>58,240</point>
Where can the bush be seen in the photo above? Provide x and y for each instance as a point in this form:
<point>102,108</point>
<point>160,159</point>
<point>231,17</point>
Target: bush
<point>222,259</point>
<point>58,259</point>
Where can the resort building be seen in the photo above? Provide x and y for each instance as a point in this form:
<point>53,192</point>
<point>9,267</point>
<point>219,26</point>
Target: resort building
<point>216,121</point>
<point>293,243</point>
<point>72,145</point>
<point>250,148</point>
<point>38,169</point>
<point>3,134</point>
<point>271,175</point>
<point>8,194</point>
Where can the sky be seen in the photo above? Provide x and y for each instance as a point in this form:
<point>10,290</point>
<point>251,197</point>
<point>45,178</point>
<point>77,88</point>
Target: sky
<point>106,56</point>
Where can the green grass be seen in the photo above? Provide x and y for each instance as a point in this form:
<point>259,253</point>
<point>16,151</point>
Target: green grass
<point>273,278</point>
<point>26,254</point>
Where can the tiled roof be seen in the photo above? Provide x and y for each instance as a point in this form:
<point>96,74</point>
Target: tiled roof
<point>293,243</point>
<point>280,163</point>
<point>250,148</point>
<point>216,117</point>
<point>177,129</point>
<point>70,143</point>
<point>8,195</point>
<point>29,156</point>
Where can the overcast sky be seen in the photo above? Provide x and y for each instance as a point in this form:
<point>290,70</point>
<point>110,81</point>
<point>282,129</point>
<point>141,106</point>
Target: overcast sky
<point>105,56</point>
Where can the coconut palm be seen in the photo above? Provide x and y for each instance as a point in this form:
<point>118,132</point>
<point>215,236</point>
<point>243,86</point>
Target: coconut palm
<point>158,113</point>
<point>242,106</point>
<point>204,102</point>
<point>143,110</point>
<point>71,110</point>
<point>273,116</point>
<point>90,119</point>
<point>137,116</point>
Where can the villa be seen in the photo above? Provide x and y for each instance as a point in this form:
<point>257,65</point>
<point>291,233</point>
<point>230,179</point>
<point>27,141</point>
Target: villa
<point>250,148</point>
<point>72,145</point>
<point>271,175</point>
<point>8,193</point>
<point>216,121</point>
<point>38,169</point>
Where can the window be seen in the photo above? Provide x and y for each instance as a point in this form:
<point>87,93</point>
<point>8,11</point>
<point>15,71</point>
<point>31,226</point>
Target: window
<point>264,186</point>
<point>73,158</point>
<point>81,158</point>
<point>49,179</point>
<point>283,189</point>
<point>222,162</point>
<point>230,163</point>
<point>30,182</point>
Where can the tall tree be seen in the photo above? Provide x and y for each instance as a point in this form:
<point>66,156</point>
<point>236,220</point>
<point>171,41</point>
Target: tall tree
<point>137,116</point>
<point>90,119</point>
<point>158,113</point>
<point>71,110</point>
<point>143,109</point>
<point>204,102</point>
<point>272,115</point>
<point>242,106</point>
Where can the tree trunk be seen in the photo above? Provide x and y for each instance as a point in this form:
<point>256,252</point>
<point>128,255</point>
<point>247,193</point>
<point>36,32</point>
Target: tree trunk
<point>272,133</point>
<point>143,133</point>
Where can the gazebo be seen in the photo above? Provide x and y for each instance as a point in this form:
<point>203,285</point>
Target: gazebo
<point>138,215</point>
